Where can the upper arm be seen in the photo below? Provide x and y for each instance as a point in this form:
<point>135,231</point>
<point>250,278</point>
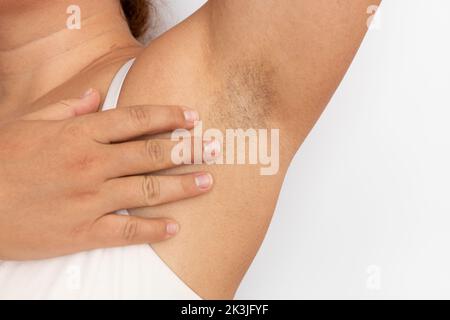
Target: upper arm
<point>296,50</point>
<point>242,64</point>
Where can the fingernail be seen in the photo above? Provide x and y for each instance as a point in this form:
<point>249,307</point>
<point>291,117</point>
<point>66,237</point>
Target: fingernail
<point>172,228</point>
<point>87,93</point>
<point>191,116</point>
<point>203,181</point>
<point>211,151</point>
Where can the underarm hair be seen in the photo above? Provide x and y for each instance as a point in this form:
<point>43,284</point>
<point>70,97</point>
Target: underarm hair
<point>245,96</point>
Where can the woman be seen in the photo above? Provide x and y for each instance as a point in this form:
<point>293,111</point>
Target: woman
<point>42,215</point>
<point>274,65</point>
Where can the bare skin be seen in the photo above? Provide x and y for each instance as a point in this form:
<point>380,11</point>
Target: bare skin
<point>242,64</point>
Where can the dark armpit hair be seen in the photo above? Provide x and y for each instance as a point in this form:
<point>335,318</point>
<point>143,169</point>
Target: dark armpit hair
<point>247,89</point>
<point>138,14</point>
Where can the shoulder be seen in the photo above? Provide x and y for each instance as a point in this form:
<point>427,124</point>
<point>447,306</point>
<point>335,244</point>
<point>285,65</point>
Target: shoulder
<point>187,66</point>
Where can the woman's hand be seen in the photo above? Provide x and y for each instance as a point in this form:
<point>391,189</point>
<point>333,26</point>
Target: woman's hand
<point>65,169</point>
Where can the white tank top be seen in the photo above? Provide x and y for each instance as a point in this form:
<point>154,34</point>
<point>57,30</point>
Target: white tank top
<point>134,272</point>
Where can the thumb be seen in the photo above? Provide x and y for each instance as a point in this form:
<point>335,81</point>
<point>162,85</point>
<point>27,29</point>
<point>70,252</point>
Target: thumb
<point>115,230</point>
<point>69,108</point>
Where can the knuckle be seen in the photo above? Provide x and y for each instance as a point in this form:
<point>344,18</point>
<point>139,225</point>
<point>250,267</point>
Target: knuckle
<point>73,129</point>
<point>130,230</point>
<point>151,190</point>
<point>154,151</point>
<point>83,163</point>
<point>82,230</point>
<point>86,195</point>
<point>139,116</point>
<point>79,154</point>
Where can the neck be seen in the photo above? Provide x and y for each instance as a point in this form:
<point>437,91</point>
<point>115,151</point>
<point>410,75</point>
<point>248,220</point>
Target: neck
<point>38,52</point>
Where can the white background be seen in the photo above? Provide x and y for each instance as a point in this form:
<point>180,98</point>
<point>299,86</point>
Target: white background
<point>365,209</point>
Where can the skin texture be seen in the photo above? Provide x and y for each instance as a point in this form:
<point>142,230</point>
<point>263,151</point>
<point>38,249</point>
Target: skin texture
<point>241,64</point>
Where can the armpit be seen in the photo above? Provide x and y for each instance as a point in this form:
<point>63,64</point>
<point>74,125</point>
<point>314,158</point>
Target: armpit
<point>245,96</point>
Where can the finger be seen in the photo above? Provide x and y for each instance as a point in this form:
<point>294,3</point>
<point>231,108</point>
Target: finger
<point>138,157</point>
<point>69,108</point>
<point>114,230</point>
<point>147,191</point>
<point>126,123</point>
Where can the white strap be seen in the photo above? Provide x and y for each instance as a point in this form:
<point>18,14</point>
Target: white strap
<point>116,86</point>
<point>113,97</point>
